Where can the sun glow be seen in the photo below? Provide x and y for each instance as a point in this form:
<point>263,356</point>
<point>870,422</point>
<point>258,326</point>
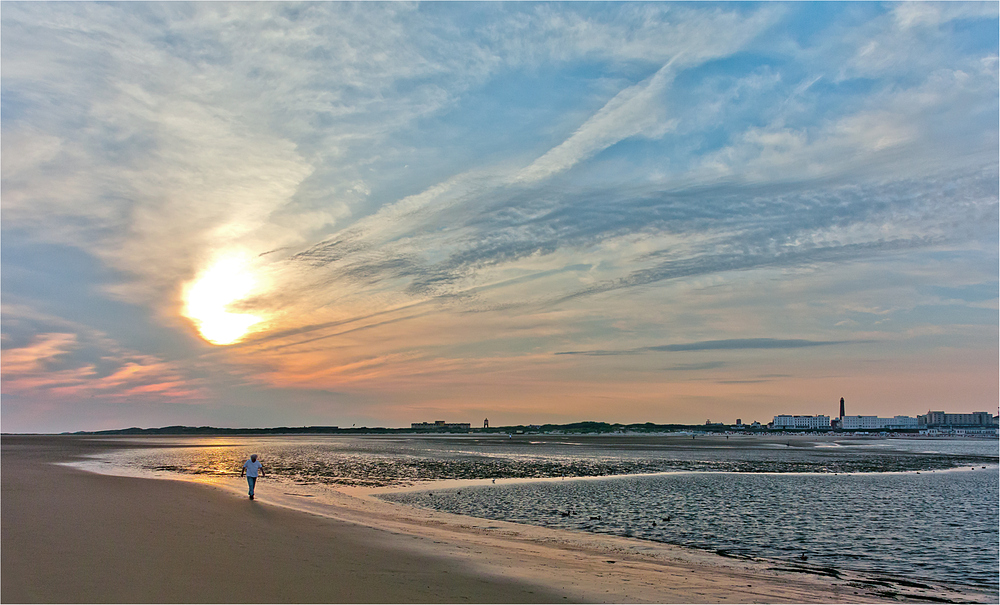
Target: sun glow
<point>208,297</point>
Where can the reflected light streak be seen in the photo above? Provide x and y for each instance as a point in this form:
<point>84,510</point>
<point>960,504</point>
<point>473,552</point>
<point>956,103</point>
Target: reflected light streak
<point>208,297</point>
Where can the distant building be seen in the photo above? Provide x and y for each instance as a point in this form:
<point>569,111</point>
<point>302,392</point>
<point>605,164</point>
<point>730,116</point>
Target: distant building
<point>785,421</point>
<point>855,423</point>
<point>939,419</point>
<point>440,425</point>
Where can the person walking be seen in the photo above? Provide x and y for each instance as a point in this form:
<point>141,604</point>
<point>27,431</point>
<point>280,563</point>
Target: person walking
<point>251,468</point>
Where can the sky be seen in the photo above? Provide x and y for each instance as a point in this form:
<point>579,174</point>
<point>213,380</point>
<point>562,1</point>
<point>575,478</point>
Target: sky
<point>252,215</point>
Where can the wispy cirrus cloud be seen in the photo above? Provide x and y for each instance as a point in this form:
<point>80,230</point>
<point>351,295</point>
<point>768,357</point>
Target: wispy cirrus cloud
<point>637,110</point>
<point>733,344</point>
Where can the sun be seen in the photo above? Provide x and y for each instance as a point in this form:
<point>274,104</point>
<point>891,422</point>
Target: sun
<point>208,297</point>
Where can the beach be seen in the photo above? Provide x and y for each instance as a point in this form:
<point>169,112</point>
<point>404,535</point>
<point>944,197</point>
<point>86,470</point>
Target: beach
<point>71,536</point>
<point>74,536</point>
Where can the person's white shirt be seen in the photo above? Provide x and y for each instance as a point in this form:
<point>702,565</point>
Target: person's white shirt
<point>252,467</point>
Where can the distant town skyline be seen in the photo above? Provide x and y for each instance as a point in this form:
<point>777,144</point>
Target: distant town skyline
<point>278,214</point>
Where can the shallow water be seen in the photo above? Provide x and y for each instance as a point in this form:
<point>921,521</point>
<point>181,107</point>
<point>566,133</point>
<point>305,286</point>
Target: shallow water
<point>932,527</point>
<point>885,507</point>
<point>379,461</point>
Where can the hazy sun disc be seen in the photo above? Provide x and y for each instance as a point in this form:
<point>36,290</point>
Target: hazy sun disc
<point>208,297</point>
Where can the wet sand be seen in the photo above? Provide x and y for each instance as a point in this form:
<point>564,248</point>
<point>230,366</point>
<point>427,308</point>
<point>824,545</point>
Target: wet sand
<point>73,536</point>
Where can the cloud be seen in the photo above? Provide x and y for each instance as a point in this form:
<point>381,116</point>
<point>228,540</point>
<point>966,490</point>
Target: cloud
<point>199,143</point>
<point>899,135</point>
<point>692,367</point>
<point>701,231</point>
<point>167,171</point>
<point>934,14</point>
<point>908,41</point>
<point>970,293</point>
<point>34,356</point>
<point>638,32</point>
<point>181,200</point>
<point>734,344</point>
<point>637,110</point>
<point>748,343</point>
<point>47,358</point>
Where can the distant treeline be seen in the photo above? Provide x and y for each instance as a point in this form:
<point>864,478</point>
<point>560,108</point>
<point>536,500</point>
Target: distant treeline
<point>574,428</point>
<point>601,427</point>
<point>213,430</point>
<point>571,428</point>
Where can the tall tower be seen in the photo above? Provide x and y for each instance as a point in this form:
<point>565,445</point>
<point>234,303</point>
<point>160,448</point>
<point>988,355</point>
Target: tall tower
<point>841,408</point>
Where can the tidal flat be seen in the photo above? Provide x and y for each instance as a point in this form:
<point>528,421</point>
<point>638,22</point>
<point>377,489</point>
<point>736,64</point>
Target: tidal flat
<point>901,516</point>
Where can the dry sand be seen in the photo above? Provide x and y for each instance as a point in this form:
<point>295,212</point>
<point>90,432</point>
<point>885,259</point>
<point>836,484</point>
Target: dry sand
<point>72,536</point>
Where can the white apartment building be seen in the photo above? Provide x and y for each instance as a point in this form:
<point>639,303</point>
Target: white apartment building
<point>786,421</point>
<point>943,419</point>
<point>854,423</point>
